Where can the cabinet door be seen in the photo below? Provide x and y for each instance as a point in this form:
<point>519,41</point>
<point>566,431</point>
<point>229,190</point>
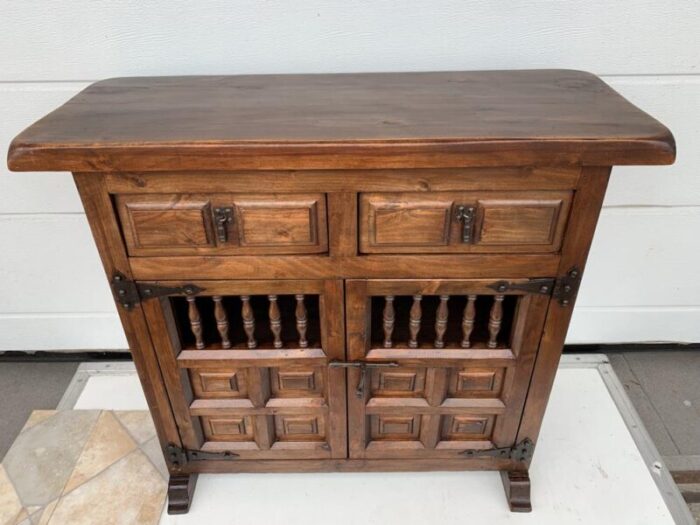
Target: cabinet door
<point>447,365</point>
<point>246,366</point>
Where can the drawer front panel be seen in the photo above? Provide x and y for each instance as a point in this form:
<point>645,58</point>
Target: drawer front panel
<point>223,224</point>
<point>463,222</point>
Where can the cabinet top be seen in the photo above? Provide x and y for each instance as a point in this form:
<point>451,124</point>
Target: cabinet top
<point>373,120</point>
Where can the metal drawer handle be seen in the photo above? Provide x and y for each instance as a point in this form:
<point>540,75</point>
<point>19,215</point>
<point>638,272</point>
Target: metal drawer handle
<point>223,217</point>
<point>363,366</point>
<point>466,215</point>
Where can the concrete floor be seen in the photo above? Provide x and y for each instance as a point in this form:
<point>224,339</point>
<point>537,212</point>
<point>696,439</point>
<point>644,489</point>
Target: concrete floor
<point>27,386</point>
<point>663,385</point>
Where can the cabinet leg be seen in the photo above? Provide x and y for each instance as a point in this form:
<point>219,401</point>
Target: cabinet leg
<point>180,492</point>
<point>517,486</point>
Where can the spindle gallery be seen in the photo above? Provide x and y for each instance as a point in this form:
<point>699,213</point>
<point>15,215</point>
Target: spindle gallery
<point>345,272</point>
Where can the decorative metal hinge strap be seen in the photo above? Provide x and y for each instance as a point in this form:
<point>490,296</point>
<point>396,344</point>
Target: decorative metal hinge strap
<point>538,286</point>
<point>129,293</point>
<point>363,366</point>
<point>566,287</point>
<point>179,456</point>
<point>519,452</point>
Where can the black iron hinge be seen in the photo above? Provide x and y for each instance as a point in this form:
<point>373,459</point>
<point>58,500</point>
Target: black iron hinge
<point>563,289</point>
<point>179,456</point>
<point>566,287</point>
<point>539,286</point>
<point>129,293</point>
<point>522,451</point>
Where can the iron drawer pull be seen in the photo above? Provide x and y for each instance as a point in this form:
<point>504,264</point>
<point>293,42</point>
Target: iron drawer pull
<point>466,215</point>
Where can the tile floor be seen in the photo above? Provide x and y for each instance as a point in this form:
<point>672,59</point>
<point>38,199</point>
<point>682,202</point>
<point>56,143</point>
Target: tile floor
<point>71,468</point>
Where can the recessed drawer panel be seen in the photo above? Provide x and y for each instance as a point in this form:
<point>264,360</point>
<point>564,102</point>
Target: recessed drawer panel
<point>454,222</point>
<point>223,224</point>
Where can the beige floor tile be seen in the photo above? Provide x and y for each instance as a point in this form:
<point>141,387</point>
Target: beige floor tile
<point>107,443</point>
<point>130,492</point>
<point>37,417</point>
<point>42,517</point>
<point>152,449</point>
<point>138,422</point>
<point>23,517</point>
<point>42,457</point>
<point>10,505</point>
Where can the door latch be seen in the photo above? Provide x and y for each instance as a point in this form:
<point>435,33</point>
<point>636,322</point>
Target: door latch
<point>363,366</point>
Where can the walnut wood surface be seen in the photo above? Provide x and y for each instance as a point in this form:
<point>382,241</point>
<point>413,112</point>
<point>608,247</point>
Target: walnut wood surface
<point>379,120</point>
<point>343,191</point>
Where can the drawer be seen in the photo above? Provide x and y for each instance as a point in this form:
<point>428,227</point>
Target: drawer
<point>463,222</point>
<point>223,223</point>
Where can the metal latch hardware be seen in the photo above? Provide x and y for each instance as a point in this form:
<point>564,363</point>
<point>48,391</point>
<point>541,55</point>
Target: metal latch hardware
<point>566,287</point>
<point>466,214</point>
<point>522,451</point>
<point>538,286</point>
<point>128,293</point>
<point>179,456</point>
<point>223,217</point>
<point>363,366</point>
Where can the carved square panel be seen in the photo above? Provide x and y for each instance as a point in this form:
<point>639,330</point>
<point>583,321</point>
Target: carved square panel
<point>401,428</point>
<point>467,427</point>
<point>296,382</point>
<point>227,428</point>
<point>218,383</point>
<point>398,382</point>
<point>304,427</point>
<point>476,382</point>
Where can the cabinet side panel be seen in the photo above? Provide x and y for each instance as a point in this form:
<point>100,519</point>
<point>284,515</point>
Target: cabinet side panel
<point>105,230</point>
<point>587,204</point>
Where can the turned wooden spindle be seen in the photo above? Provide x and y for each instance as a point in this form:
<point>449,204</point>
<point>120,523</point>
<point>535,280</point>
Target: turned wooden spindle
<point>248,321</point>
<point>388,317</point>
<point>414,321</point>
<point>221,321</point>
<point>195,322</point>
<point>468,320</point>
<point>300,314</point>
<point>275,321</point>
<point>495,318</point>
<point>441,322</point>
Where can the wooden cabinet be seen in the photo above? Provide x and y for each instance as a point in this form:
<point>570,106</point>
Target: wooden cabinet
<point>382,285</point>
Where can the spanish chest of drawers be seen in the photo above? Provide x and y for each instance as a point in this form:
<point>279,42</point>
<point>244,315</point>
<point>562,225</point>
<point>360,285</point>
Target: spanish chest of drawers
<point>345,272</point>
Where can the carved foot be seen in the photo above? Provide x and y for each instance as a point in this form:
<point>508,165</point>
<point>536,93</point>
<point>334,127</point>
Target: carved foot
<point>180,491</point>
<point>517,486</point>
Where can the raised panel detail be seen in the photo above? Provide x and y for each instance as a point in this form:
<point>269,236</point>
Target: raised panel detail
<point>162,221</point>
<point>280,220</point>
<point>184,224</point>
<point>413,221</point>
<point>299,428</point>
<point>398,382</point>
<point>476,382</point>
<point>467,427</point>
<point>296,382</point>
<point>218,383</point>
<point>428,222</point>
<point>227,428</point>
<point>504,222</point>
<point>401,428</point>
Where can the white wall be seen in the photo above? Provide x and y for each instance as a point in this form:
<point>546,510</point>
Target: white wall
<point>642,283</point>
